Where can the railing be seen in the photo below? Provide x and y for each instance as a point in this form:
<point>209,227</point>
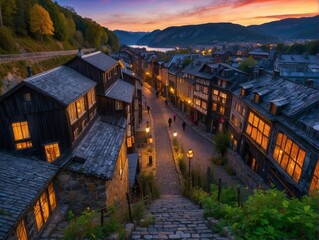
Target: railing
<point>23,56</point>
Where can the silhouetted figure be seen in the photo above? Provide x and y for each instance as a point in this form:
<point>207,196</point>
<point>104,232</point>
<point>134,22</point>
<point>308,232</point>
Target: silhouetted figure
<point>184,126</point>
<point>169,122</point>
<point>148,109</point>
<point>174,116</point>
<point>166,102</point>
<point>157,93</point>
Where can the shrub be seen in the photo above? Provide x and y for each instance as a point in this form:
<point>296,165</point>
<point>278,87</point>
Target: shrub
<point>148,184</point>
<point>182,166</point>
<point>7,42</point>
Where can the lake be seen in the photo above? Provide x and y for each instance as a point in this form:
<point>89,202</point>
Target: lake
<point>152,48</point>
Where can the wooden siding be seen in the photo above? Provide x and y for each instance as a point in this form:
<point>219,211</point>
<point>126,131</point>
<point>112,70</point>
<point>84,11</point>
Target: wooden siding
<point>46,120</point>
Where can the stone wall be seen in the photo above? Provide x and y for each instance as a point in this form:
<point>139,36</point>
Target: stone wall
<point>251,179</point>
<point>80,191</point>
<point>119,185</point>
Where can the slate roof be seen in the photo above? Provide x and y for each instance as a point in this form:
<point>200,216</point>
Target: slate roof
<point>100,60</point>
<point>21,182</point>
<point>298,96</point>
<point>98,152</point>
<point>298,58</point>
<point>61,83</point>
<point>132,167</point>
<point>121,90</point>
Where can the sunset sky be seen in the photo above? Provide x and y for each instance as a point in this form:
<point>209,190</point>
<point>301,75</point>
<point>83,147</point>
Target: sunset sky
<point>148,15</point>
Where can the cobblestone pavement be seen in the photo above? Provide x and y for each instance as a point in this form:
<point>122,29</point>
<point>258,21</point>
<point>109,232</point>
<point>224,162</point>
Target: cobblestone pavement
<point>166,174</point>
<point>175,218</point>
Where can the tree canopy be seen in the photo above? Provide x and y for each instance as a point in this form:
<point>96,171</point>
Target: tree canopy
<point>40,21</point>
<point>247,64</point>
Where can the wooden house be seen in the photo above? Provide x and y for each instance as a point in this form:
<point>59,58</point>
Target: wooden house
<point>45,114</point>
<point>27,197</point>
<point>114,96</point>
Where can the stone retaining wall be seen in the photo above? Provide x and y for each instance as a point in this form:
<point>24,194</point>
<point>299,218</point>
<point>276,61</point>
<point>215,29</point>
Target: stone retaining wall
<point>251,179</point>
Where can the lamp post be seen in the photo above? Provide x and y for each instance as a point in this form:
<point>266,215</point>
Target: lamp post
<point>174,134</point>
<point>190,155</point>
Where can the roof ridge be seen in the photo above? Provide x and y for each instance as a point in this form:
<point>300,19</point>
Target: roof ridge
<point>43,73</point>
<point>91,54</point>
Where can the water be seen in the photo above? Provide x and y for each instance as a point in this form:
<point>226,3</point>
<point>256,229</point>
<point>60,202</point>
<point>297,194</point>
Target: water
<point>152,48</point>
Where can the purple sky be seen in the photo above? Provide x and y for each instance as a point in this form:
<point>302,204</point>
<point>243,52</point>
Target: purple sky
<point>148,15</point>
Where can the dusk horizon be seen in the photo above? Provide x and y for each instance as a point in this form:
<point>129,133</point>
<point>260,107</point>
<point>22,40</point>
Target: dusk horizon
<point>146,16</point>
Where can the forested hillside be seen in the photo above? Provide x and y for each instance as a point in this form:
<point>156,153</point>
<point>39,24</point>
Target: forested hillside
<point>43,25</point>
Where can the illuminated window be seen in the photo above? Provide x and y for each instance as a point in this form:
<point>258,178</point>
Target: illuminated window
<point>215,95</point>
<point>118,105</point>
<point>21,231</point>
<point>223,98</point>
<point>52,197</point>
<point>205,90</point>
<point>52,151</point>
<point>234,142</point>
<point>204,105</point>
<point>44,207</point>
<point>242,92</point>
<point>80,106</point>
<point>72,112</point>
<point>197,101</point>
<point>258,130</point>
<point>289,155</point>
<point>214,106</point>
<point>91,97</point>
<point>315,179</point>
<point>21,135</point>
<point>222,110</point>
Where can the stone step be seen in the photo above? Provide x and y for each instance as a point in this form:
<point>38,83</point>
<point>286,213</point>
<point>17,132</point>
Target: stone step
<point>176,217</point>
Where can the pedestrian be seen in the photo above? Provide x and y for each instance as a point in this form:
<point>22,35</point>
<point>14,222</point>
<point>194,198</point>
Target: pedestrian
<point>157,93</point>
<point>169,122</point>
<point>174,116</point>
<point>184,126</point>
<point>166,102</point>
<point>148,109</point>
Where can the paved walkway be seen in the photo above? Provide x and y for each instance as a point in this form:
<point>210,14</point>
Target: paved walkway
<point>176,218</point>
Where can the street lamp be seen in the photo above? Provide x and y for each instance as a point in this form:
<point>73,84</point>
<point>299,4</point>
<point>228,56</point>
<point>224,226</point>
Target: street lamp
<point>174,134</point>
<point>190,155</point>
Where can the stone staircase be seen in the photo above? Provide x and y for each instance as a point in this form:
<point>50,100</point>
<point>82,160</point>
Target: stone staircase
<point>175,217</point>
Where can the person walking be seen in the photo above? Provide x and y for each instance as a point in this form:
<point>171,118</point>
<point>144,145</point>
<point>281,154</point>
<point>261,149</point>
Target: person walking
<point>174,116</point>
<point>166,102</point>
<point>169,122</point>
<point>184,126</point>
<point>148,109</point>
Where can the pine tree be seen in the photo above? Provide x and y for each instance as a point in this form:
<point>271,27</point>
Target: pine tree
<point>40,21</point>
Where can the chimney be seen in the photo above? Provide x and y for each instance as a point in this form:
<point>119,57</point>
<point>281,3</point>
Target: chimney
<point>275,74</point>
<point>80,53</point>
<point>29,71</point>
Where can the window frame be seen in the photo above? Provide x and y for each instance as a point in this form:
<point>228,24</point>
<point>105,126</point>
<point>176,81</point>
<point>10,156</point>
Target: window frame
<point>56,149</point>
<point>21,135</point>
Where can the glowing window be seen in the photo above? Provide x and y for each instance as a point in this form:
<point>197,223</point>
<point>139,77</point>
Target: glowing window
<point>80,106</point>
<point>258,130</point>
<point>72,112</point>
<point>91,97</point>
<point>21,231</point>
<point>214,107</point>
<point>21,135</point>
<point>118,105</point>
<point>222,110</point>
<point>289,156</point>
<point>52,197</point>
<point>315,179</point>
<point>52,151</point>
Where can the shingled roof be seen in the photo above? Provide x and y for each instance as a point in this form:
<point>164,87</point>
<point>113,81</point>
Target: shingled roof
<point>100,61</point>
<point>121,90</point>
<point>21,182</point>
<point>61,83</point>
<point>97,154</point>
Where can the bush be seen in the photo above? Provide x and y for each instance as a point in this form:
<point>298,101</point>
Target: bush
<point>7,42</point>
<point>182,166</point>
<point>219,160</point>
<point>148,184</point>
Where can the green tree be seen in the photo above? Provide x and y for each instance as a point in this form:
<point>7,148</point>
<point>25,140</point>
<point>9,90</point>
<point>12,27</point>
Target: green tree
<point>61,28</point>
<point>7,11</point>
<point>93,33</point>
<point>7,42</point>
<point>222,141</point>
<point>40,21</point>
<point>246,64</point>
<point>113,40</point>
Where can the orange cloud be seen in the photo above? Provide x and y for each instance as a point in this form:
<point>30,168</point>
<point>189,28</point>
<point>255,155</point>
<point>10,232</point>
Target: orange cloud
<point>283,16</point>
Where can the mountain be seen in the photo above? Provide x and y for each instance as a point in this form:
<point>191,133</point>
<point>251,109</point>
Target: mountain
<point>290,28</point>
<point>129,38</point>
<point>201,35</point>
